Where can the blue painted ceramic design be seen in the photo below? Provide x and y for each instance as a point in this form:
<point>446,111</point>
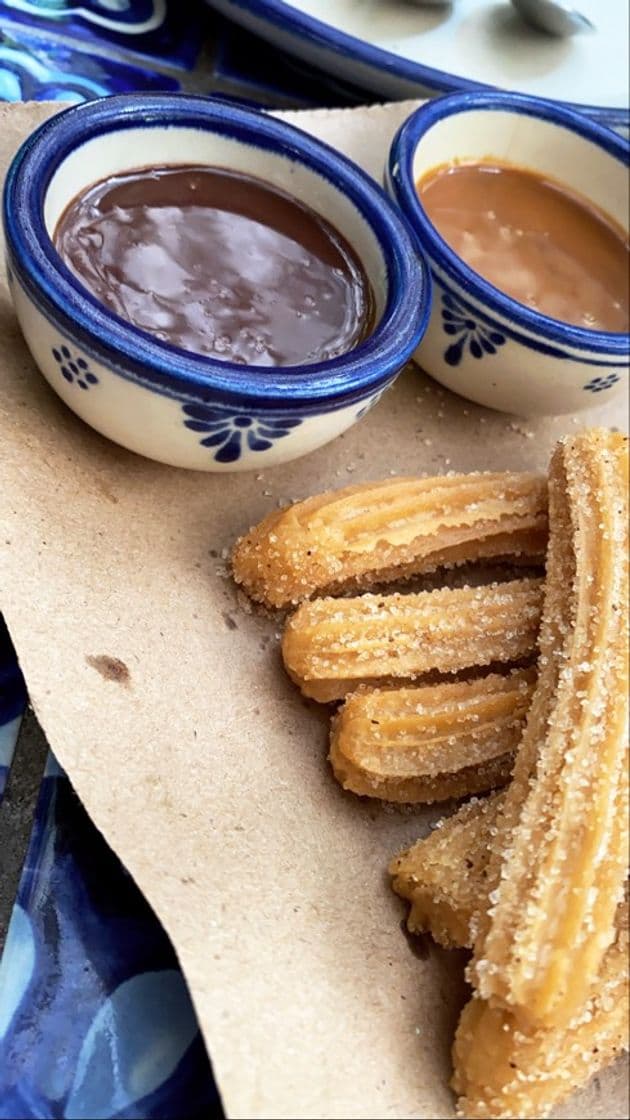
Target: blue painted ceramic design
<point>518,321</point>
<point>168,33</point>
<point>370,404</point>
<point>479,338</point>
<point>36,69</point>
<point>322,395</point>
<point>73,368</point>
<point>134,15</point>
<point>229,433</point>
<point>317,387</point>
<point>544,363</point>
<point>599,384</point>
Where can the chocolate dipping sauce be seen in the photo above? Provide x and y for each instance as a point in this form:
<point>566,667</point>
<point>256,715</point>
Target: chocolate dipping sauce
<point>533,239</point>
<point>218,263</point>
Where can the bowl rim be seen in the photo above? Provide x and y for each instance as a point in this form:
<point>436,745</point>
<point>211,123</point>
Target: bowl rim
<point>400,176</point>
<point>137,355</point>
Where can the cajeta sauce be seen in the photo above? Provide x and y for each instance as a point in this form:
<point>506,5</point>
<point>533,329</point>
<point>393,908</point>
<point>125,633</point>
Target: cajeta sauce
<point>533,239</point>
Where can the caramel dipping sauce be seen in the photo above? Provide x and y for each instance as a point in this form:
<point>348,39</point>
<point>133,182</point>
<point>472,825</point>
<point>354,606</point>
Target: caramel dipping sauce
<point>534,240</point>
<point>218,263</point>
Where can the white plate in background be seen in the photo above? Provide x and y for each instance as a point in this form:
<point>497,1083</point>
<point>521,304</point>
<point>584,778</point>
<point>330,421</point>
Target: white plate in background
<point>394,49</point>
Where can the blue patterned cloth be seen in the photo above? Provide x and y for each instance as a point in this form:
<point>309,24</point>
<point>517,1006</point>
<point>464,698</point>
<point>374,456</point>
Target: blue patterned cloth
<point>95,1017</point>
<point>12,702</point>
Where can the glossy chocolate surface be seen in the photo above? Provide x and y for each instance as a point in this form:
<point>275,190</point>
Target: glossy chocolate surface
<point>218,263</point>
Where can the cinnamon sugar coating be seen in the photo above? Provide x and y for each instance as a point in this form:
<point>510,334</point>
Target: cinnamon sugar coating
<point>330,646</point>
<point>443,876</point>
<point>561,847</point>
<point>505,1071</point>
<point>432,742</point>
<point>380,532</point>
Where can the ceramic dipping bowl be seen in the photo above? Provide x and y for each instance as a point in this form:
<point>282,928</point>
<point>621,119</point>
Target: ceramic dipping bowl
<point>480,342</point>
<point>152,397</point>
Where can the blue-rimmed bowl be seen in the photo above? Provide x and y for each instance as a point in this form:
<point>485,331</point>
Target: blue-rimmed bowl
<point>480,342</point>
<point>154,398</point>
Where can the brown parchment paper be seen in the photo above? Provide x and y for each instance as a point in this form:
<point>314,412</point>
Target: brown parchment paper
<point>198,760</point>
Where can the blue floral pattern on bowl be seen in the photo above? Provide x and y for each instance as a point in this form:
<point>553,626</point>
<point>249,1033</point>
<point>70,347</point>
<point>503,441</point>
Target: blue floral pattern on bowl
<point>179,407</point>
<point>365,408</point>
<point>75,370</point>
<point>598,384</point>
<point>456,320</point>
<point>229,432</point>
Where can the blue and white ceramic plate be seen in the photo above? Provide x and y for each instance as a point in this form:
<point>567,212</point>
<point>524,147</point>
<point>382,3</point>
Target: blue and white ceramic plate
<point>168,34</point>
<point>34,68</point>
<point>95,1016</point>
<point>396,49</point>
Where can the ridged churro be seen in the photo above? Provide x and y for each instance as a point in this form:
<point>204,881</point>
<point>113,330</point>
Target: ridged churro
<point>480,778</point>
<point>504,1071</point>
<point>432,742</point>
<point>561,845</point>
<point>443,876</point>
<point>330,646</point>
<point>391,530</point>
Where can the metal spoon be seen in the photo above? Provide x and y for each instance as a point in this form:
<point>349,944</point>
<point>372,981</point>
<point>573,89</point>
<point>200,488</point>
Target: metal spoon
<point>556,17</point>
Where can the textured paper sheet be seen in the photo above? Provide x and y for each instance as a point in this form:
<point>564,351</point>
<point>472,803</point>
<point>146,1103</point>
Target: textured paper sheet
<point>200,763</point>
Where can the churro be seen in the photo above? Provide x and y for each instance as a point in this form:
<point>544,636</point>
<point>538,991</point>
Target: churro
<point>387,531</point>
<point>480,778</point>
<point>443,876</point>
<point>504,1071</point>
<point>560,850</point>
<point>330,646</point>
<point>433,742</point>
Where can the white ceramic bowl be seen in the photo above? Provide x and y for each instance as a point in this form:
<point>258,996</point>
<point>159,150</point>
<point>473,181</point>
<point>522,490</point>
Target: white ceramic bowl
<point>480,342</point>
<point>164,402</point>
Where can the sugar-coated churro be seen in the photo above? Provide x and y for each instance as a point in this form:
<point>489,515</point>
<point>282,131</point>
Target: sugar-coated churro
<point>443,876</point>
<point>531,877</point>
<point>560,851</point>
<point>391,530</point>
<point>505,1071</point>
<point>479,778</point>
<point>330,646</point>
<point>413,744</point>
